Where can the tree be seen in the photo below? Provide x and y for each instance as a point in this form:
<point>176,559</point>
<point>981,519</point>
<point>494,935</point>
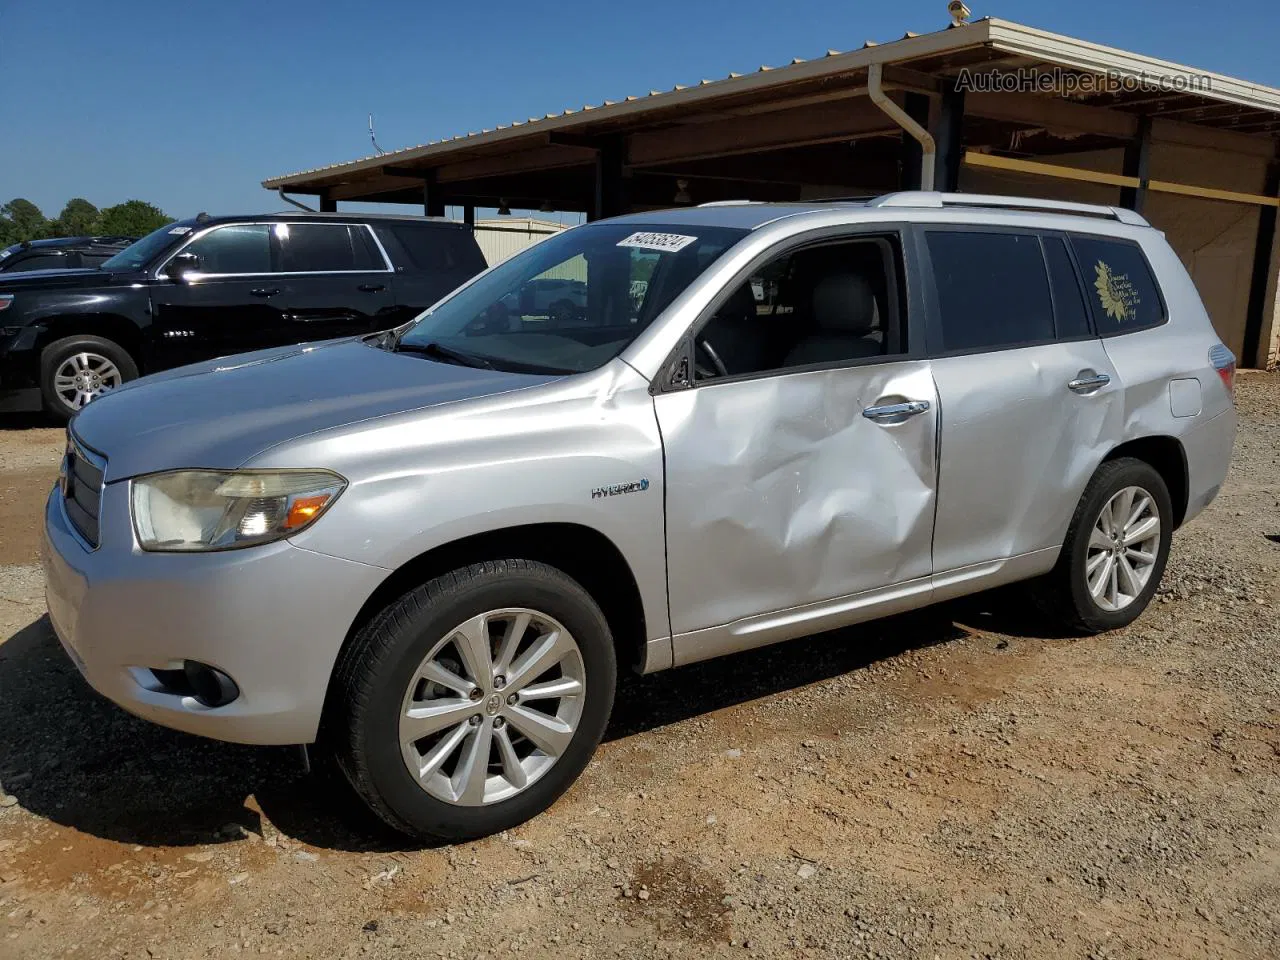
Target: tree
<point>133,218</point>
<point>79,218</point>
<point>21,220</point>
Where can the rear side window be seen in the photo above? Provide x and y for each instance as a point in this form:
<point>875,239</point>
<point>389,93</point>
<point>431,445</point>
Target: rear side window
<point>439,249</point>
<point>1069,312</point>
<point>324,248</point>
<point>44,261</point>
<point>1122,292</point>
<point>992,289</point>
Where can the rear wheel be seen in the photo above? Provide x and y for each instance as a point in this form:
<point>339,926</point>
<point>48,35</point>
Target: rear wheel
<point>1115,551</point>
<point>78,369</point>
<point>471,703</point>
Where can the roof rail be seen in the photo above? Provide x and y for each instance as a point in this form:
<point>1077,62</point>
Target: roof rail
<point>927,198</point>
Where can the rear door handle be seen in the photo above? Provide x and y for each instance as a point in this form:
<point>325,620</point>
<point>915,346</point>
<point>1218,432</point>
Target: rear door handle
<point>371,287</point>
<point>1088,384</point>
<point>896,412</point>
<point>264,291</point>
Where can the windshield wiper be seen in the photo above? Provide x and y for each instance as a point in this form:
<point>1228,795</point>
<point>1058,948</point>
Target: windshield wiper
<point>447,354</point>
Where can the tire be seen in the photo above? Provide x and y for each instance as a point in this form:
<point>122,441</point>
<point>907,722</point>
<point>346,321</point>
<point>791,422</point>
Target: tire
<point>1065,593</point>
<point>102,363</point>
<point>379,681</point>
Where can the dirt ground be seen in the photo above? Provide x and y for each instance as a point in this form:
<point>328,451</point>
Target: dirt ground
<point>959,782</point>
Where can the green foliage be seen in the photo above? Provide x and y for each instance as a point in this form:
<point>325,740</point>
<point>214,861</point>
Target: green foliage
<point>21,220</point>
<point>79,218</point>
<point>134,218</point>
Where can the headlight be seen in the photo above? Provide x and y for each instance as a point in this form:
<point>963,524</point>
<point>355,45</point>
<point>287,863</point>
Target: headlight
<point>188,510</point>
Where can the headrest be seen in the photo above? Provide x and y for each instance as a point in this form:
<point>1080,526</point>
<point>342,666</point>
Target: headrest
<point>740,306</point>
<point>844,303</point>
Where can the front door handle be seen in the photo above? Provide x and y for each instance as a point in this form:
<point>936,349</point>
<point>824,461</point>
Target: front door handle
<point>1088,384</point>
<point>371,287</point>
<point>264,291</point>
<point>896,412</point>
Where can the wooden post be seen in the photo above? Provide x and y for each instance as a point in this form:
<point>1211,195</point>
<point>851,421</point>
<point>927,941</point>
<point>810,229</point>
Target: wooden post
<point>328,205</point>
<point>1137,162</point>
<point>469,215</point>
<point>610,189</point>
<point>950,139</point>
<point>917,107</point>
<point>1253,351</point>
<point>432,197</point>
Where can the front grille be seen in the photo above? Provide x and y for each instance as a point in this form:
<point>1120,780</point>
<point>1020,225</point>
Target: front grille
<point>82,488</point>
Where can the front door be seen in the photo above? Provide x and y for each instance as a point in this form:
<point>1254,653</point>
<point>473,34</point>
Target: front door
<point>227,304</point>
<point>800,458</point>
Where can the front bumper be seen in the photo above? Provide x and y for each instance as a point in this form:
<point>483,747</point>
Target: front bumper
<point>272,617</point>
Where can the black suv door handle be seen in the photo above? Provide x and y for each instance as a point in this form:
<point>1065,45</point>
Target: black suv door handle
<point>371,287</point>
<point>265,291</point>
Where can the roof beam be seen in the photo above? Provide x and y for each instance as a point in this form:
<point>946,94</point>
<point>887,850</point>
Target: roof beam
<point>1052,114</point>
<point>550,157</point>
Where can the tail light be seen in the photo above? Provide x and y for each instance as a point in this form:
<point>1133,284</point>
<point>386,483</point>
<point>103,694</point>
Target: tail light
<point>1224,362</point>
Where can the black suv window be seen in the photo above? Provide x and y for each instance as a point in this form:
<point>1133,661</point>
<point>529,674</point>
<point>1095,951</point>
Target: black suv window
<point>439,248</point>
<point>39,261</point>
<point>1123,294</point>
<point>324,248</point>
<point>236,248</point>
<point>993,291</point>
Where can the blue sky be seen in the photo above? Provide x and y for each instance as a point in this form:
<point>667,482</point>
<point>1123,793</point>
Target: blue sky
<point>191,108</point>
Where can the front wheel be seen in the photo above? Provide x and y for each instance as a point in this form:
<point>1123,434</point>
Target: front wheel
<point>1115,551</point>
<point>78,369</point>
<point>472,703</point>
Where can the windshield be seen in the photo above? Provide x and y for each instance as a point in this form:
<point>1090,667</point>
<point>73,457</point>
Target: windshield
<point>573,301</point>
<point>138,254</point>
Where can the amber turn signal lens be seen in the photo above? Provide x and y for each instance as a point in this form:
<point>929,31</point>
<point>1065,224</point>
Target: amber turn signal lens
<point>303,510</point>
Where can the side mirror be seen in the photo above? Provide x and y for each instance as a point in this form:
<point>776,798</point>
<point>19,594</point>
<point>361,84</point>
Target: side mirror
<point>181,265</point>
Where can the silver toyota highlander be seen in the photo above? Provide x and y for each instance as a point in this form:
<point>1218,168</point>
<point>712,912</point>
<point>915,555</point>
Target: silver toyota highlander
<point>426,551</point>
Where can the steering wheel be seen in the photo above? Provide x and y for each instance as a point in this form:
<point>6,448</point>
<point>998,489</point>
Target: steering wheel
<point>701,343</point>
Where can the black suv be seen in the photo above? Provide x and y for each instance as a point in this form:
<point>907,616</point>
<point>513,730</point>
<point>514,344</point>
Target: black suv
<point>212,286</point>
<point>61,253</point>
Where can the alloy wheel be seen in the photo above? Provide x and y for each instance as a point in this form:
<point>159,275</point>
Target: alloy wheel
<point>83,377</point>
<point>1124,545</point>
<point>492,706</point>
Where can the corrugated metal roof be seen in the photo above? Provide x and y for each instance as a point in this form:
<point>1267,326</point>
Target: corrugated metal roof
<point>998,34</point>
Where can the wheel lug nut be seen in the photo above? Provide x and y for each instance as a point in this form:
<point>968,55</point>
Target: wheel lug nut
<point>476,720</point>
<point>499,682</point>
<point>499,723</point>
<point>511,700</point>
<point>476,693</point>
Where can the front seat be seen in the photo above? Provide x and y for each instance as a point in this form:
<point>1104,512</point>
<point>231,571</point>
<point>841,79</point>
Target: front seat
<point>845,322</point>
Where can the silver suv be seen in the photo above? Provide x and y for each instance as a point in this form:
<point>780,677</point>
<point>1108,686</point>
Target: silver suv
<point>426,551</point>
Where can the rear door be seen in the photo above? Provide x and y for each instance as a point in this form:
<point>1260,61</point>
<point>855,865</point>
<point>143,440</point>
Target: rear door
<point>336,282</point>
<point>231,303</point>
<point>1030,402</point>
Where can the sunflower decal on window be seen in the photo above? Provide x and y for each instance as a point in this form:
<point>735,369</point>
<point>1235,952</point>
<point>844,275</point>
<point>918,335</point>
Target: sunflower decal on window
<point>1119,299</point>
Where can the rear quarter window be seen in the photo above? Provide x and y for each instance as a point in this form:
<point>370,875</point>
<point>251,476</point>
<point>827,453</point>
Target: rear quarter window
<point>1121,290</point>
<point>439,249</point>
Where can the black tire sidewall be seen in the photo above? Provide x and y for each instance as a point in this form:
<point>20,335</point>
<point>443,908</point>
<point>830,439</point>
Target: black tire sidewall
<point>379,740</point>
<point>56,353</point>
<point>1115,476</point>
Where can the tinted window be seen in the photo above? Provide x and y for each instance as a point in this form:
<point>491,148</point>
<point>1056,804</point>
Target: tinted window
<point>240,248</point>
<point>43,261</point>
<point>835,303</point>
<point>1122,292</point>
<point>323,247</point>
<point>440,249</point>
<point>1069,313</point>
<point>992,289</point>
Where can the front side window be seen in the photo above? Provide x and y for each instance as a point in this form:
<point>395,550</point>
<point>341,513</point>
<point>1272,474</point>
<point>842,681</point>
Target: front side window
<point>1123,294</point>
<point>236,248</point>
<point>992,289</point>
<point>831,303</point>
<point>572,302</point>
<point>324,248</point>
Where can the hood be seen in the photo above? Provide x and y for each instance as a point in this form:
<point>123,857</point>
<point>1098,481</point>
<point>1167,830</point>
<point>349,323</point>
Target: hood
<point>222,413</point>
<point>61,279</point>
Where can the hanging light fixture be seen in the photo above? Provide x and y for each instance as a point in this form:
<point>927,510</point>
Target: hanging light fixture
<point>682,192</point>
<point>546,207</point>
<point>503,209</point>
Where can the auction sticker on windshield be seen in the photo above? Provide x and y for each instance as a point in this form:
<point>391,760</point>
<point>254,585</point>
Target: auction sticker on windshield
<point>664,242</point>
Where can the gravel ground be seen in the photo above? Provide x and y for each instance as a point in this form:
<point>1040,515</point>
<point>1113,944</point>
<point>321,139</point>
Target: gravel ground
<point>960,782</point>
